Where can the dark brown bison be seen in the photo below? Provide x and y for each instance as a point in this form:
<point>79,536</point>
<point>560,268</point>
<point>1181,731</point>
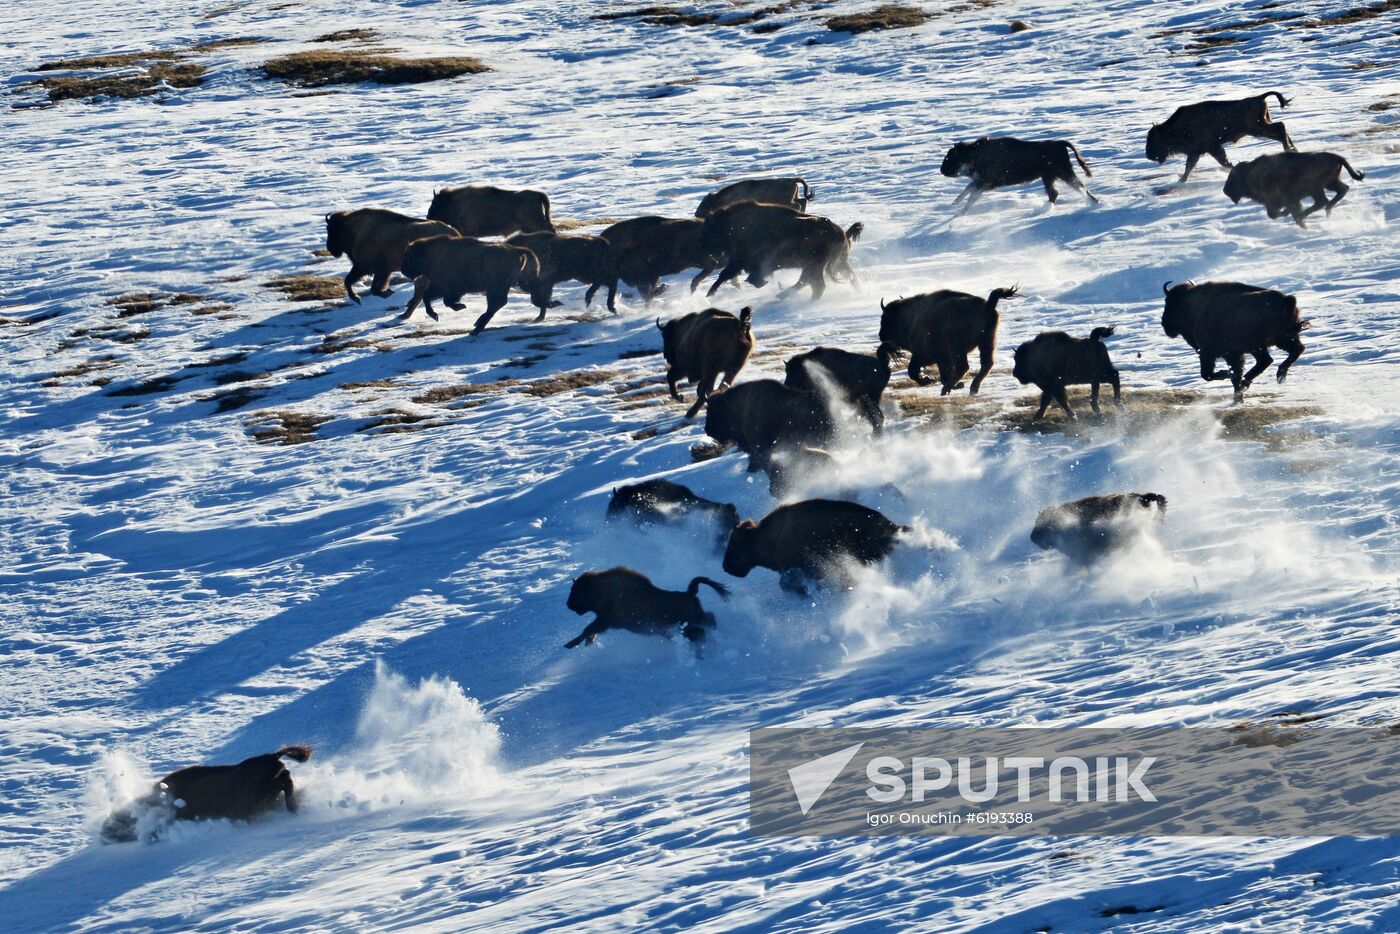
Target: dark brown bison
<point>1229,320</point>
<point>486,211</point>
<point>653,502</point>
<point>790,192</point>
<point>450,267</point>
<point>701,346</point>
<point>1054,360</point>
<point>999,161</point>
<point>790,465</point>
<point>1089,528</point>
<point>763,415</point>
<point>809,540</point>
<point>1282,180</point>
<point>626,599</point>
<point>375,240</point>
<point>647,249</point>
<point>209,792</point>
<point>760,239</point>
<point>859,378</point>
<point>578,257</point>
<point>942,328</point>
<point>1203,129</point>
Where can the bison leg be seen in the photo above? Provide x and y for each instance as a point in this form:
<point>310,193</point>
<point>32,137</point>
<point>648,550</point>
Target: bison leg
<point>729,272</point>
<point>1208,371</point>
<point>793,581</point>
<point>1279,133</point>
<point>288,790</point>
<point>1295,350</point>
<point>420,289</point>
<point>673,376</point>
<point>1117,392</point>
<point>1045,398</point>
<point>986,355</point>
<point>1236,364</point>
<point>948,373</point>
<point>1073,181</point>
<point>1191,161</point>
<point>380,285</point>
<point>700,277</point>
<point>542,298</point>
<point>1049,182</point>
<point>593,290</point>
<point>590,634</point>
<point>916,367</point>
<point>1299,214</point>
<point>612,296</point>
<point>972,192</point>
<point>495,301</point>
<point>1217,152</point>
<point>1094,398</point>
<point>1261,363</point>
<point>355,274</point>
<point>1341,189</point>
<point>1062,400</point>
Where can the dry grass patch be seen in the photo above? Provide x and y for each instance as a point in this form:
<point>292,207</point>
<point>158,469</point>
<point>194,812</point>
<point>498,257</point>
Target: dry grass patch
<point>146,388</point>
<point>442,394</point>
<point>1355,15</point>
<point>885,16</point>
<point>343,66</point>
<point>396,420</point>
<point>284,427</point>
<point>370,384</point>
<point>593,222</point>
<point>139,303</point>
<point>706,451</point>
<point>567,382</point>
<point>349,35</point>
<point>305,287</point>
<point>233,399</point>
<point>91,365</point>
<point>661,16</point>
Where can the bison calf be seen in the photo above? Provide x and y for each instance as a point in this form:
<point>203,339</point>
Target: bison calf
<point>1087,529</point>
<point>626,599</point>
<point>450,267</point>
<point>859,378</point>
<point>1196,130</point>
<point>208,792</point>
<point>702,346</point>
<point>577,257</point>
<point>1228,320</point>
<point>791,192</point>
<point>486,211</point>
<point>763,415</point>
<point>375,241</point>
<point>999,161</point>
<point>658,501</point>
<point>760,239</point>
<point>1054,360</point>
<point>1282,180</point>
<point>810,540</point>
<point>942,328</point>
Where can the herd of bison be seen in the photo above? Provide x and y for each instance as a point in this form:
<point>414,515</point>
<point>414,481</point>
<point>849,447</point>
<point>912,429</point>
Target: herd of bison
<point>756,227</point>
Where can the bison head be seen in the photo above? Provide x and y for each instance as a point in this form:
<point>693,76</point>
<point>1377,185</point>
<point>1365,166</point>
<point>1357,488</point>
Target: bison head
<point>739,557</point>
<point>415,259</point>
<point>337,237</point>
<point>894,323</point>
<point>718,422</point>
<point>1022,369</point>
<point>955,163</point>
<point>441,208</point>
<point>1235,188</point>
<point>581,594</point>
<point>707,205</point>
<point>1173,314</point>
<point>1157,149</point>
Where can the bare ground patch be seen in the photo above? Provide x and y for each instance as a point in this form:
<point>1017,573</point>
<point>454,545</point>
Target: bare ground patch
<point>882,17</point>
<point>659,15</point>
<point>284,427</point>
<point>132,74</point>
<point>304,287</point>
<point>131,304</point>
<point>323,67</point>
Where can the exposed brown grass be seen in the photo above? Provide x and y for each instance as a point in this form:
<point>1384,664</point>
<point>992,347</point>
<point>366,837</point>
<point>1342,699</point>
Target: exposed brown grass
<point>284,427</point>
<point>885,16</point>
<point>1355,15</point>
<point>661,16</point>
<point>349,35</point>
<point>136,303</point>
<point>90,365</point>
<point>159,384</point>
<point>567,382</point>
<point>319,68</point>
<point>440,394</point>
<point>157,77</point>
<point>370,384</point>
<point>706,450</point>
<point>397,420</point>
<point>305,287</point>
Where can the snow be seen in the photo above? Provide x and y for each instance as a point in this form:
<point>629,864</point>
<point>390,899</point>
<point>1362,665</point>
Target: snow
<point>175,592</point>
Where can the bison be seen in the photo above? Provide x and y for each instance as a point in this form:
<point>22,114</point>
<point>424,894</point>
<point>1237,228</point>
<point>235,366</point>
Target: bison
<point>790,465</point>
<point>763,415</point>
<point>450,267</point>
<point>1282,180</point>
<point>1054,360</point>
<point>579,257</point>
<point>1196,130</point>
<point>701,346</point>
<point>626,599</point>
<point>1089,528</point>
<point>657,501</point>
<point>999,161</point>
<point>860,378</point>
<point>809,540</point>
<point>790,192</point>
<point>375,240</point>
<point>209,792</point>
<point>486,211</point>
<point>1229,320</point>
<point>942,328</point>
<point>760,239</point>
<point>648,248</point>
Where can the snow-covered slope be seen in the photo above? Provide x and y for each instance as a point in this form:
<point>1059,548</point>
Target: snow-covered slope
<point>393,589</point>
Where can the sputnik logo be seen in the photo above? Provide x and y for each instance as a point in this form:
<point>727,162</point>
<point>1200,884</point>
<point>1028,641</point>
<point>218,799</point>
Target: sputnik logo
<point>811,779</point>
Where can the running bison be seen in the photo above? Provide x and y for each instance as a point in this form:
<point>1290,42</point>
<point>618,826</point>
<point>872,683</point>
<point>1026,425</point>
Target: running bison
<point>999,161</point>
<point>655,502</point>
<point>626,599</point>
<point>485,211</point>
<point>859,378</point>
<point>578,257</point>
<point>790,192</point>
<point>809,541</point>
<point>375,240</point>
<point>1229,320</point>
<point>942,328</point>
<point>763,415</point>
<point>646,249</point>
<point>450,267</point>
<point>1203,129</point>
<point>760,239</point>
<point>210,792</point>
<point>1054,360</point>
<point>702,346</point>
<point>1282,180</point>
<point>1089,528</point>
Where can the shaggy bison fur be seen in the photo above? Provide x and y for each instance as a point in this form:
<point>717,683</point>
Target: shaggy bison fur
<point>626,599</point>
<point>450,267</point>
<point>1230,319</point>
<point>1282,180</point>
<point>654,502</point>
<point>760,239</point>
<point>942,328</point>
<point>1089,528</point>
<point>647,249</point>
<point>791,192</point>
<point>577,257</point>
<point>1054,360</point>
<point>375,240</point>
<point>763,415</point>
<point>999,161</point>
<point>859,378</point>
<point>702,346</point>
<point>486,211</point>
<point>809,540</point>
<point>1203,129</point>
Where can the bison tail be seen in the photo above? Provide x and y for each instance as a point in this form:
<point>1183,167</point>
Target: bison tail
<point>998,294</point>
<point>1078,158</point>
<point>1352,172</point>
<point>659,327</point>
<point>1098,334</point>
<point>1167,287</point>
<point>1282,101</point>
<point>807,194</point>
<point>694,588</point>
<point>854,231</point>
<point>1304,325</point>
<point>295,753</point>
